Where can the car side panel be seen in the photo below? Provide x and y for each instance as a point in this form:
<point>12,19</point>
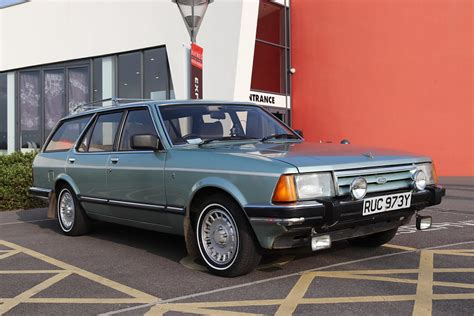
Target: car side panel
<point>46,168</point>
<point>250,180</point>
<point>89,171</point>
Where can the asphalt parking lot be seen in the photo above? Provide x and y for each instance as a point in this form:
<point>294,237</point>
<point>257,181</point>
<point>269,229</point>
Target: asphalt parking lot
<point>121,270</point>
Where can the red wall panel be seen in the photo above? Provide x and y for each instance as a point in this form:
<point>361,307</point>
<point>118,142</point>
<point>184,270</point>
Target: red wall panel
<point>387,73</point>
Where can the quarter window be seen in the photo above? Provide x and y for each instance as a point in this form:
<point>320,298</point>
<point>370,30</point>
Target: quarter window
<point>104,132</point>
<point>138,122</point>
<point>67,134</point>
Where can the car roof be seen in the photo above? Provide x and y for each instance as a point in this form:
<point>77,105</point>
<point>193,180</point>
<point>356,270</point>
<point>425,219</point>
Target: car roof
<point>159,103</point>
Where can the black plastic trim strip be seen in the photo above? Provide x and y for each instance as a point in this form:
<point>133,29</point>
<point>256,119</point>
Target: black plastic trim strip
<point>137,205</point>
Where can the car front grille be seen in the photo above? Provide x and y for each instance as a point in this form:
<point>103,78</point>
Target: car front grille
<point>379,179</point>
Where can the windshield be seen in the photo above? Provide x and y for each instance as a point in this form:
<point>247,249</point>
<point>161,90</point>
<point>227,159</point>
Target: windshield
<point>194,124</point>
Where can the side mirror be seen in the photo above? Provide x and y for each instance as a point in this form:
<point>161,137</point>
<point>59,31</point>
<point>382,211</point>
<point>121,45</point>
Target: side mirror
<point>299,132</point>
<point>145,142</point>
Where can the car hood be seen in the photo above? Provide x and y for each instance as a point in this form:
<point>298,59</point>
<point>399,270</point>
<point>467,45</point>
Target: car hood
<point>311,157</point>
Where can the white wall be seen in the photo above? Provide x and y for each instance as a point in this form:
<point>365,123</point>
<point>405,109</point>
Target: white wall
<point>47,31</point>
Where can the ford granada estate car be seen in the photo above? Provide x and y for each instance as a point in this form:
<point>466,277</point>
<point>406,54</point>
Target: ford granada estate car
<point>230,177</point>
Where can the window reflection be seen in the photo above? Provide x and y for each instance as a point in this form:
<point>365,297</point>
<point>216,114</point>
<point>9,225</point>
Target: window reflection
<point>3,112</point>
<point>54,97</point>
<point>97,79</point>
<point>156,74</point>
<point>129,76</point>
<point>78,81</point>
<point>30,98</point>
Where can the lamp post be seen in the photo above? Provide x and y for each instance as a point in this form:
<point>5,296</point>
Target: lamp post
<point>193,12</point>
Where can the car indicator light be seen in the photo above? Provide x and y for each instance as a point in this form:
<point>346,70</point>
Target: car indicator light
<point>285,190</point>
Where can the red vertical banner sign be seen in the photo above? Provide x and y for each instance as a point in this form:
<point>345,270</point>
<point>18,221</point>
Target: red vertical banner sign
<point>196,71</point>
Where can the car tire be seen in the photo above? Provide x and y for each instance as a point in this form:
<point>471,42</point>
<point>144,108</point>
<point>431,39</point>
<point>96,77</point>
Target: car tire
<point>72,218</point>
<point>374,240</point>
<point>225,239</point>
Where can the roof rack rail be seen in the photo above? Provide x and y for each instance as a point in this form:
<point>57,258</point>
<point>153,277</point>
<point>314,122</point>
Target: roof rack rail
<point>114,102</point>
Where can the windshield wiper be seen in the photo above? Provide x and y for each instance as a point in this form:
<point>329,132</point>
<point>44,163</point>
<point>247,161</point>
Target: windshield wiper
<point>283,135</point>
<point>215,139</point>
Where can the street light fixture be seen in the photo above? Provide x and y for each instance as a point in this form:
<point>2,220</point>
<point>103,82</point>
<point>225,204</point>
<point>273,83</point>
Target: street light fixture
<point>192,12</point>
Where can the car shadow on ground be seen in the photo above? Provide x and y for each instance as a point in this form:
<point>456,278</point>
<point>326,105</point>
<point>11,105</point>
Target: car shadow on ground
<point>166,245</point>
<point>171,247</point>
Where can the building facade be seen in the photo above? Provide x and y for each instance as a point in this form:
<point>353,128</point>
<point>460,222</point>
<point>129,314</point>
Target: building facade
<point>395,74</point>
<point>56,55</point>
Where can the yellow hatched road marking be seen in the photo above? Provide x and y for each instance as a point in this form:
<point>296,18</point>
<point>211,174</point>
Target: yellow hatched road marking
<point>291,301</point>
<point>399,247</point>
<point>9,304</point>
<point>9,254</point>
<point>30,271</point>
<point>6,304</point>
<point>423,297</point>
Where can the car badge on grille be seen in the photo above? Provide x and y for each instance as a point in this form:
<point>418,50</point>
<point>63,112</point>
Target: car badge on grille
<point>381,180</point>
<point>369,155</point>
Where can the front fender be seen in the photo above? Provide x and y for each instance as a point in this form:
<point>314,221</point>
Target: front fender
<point>219,183</point>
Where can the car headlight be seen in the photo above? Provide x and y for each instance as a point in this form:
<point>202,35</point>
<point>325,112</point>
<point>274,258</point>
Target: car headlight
<point>314,185</point>
<point>358,188</point>
<point>429,171</point>
<point>291,188</point>
<point>419,179</point>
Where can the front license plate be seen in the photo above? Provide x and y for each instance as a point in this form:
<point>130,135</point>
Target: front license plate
<point>386,203</point>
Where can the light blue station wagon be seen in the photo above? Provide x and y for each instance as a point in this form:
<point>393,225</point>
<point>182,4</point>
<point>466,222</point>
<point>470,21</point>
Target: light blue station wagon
<point>230,177</point>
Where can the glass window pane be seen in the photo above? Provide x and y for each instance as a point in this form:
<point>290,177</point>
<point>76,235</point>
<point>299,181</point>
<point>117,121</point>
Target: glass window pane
<point>54,98</point>
<point>268,72</point>
<point>78,87</point>
<point>30,109</point>
<point>156,74</point>
<point>104,132</point>
<point>129,76</point>
<point>138,122</point>
<point>97,79</point>
<point>186,122</point>
<point>3,111</point>
<point>271,22</point>
<point>67,134</point>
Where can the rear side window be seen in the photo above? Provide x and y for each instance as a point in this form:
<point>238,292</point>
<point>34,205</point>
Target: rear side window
<point>66,135</point>
<point>103,135</point>
<point>138,122</point>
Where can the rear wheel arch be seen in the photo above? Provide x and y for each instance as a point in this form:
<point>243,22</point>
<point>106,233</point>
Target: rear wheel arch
<point>64,179</point>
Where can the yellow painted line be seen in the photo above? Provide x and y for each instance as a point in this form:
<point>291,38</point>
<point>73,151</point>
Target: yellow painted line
<point>461,296</point>
<point>457,254</point>
<point>454,284</point>
<point>447,270</point>
<point>240,303</point>
<point>76,300</point>
<point>453,251</point>
<point>399,247</point>
<point>372,278</point>
<point>8,305</point>
<point>184,308</point>
<point>86,274</point>
<point>297,292</point>
<point>9,254</point>
<point>363,272</point>
<point>358,299</point>
<point>424,290</point>
<point>30,271</point>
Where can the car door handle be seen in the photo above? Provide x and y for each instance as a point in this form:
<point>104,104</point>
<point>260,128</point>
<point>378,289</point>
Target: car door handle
<point>114,160</point>
<point>72,160</point>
